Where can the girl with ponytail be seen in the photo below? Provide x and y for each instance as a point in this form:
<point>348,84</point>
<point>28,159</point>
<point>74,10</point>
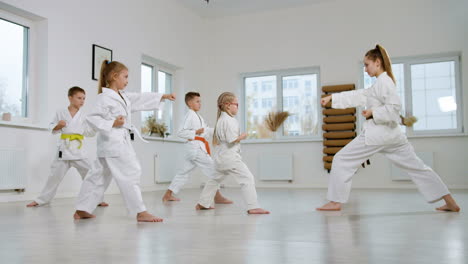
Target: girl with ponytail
<point>381,133</point>
<point>111,118</point>
<point>227,158</point>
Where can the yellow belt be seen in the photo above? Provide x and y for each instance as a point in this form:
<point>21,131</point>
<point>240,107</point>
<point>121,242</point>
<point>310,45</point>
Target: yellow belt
<point>72,137</point>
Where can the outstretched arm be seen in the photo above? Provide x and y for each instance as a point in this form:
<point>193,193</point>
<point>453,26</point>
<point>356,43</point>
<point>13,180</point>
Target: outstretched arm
<point>348,99</point>
<point>148,101</point>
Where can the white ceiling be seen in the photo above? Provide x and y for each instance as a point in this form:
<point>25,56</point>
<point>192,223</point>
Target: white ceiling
<point>222,8</point>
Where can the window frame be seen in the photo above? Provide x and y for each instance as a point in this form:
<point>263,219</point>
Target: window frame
<point>408,100</point>
<point>278,135</point>
<point>26,104</point>
<point>157,66</point>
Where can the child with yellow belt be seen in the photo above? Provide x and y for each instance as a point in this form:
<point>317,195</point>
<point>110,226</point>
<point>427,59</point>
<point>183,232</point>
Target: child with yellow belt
<point>71,123</point>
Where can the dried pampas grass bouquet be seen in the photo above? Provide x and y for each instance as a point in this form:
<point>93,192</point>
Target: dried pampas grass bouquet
<point>409,120</point>
<point>274,120</point>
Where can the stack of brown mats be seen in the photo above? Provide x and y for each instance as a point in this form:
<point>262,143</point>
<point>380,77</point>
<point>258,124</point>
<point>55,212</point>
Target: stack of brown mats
<point>339,125</point>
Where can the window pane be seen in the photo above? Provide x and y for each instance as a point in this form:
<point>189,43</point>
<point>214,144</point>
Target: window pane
<point>434,95</point>
<point>164,82</point>
<point>146,86</point>
<point>259,102</point>
<point>165,87</point>
<point>13,68</point>
<point>146,78</point>
<point>300,100</point>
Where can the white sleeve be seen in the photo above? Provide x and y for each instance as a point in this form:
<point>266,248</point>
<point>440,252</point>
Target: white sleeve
<point>145,101</point>
<point>54,123</point>
<point>348,99</point>
<point>100,118</point>
<point>187,130</point>
<point>231,130</point>
<point>389,112</point>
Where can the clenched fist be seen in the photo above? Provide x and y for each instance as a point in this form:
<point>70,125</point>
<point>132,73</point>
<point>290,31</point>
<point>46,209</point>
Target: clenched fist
<point>119,121</point>
<point>200,131</point>
<point>324,101</point>
<point>170,97</point>
<point>61,124</point>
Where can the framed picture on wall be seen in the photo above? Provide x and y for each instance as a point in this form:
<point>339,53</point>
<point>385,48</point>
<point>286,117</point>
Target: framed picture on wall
<point>99,54</point>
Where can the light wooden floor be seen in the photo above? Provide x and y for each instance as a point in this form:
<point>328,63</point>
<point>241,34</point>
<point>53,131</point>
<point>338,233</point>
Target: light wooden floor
<point>384,226</point>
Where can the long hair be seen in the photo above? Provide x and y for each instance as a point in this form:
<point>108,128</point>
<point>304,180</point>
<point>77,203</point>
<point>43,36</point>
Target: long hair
<point>380,53</point>
<point>107,70</point>
<point>223,100</point>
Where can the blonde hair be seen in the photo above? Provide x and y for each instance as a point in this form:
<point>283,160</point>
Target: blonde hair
<point>223,100</point>
<point>380,53</point>
<point>107,70</point>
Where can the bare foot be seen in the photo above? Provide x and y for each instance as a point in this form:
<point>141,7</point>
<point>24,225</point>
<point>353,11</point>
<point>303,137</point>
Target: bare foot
<point>331,206</point>
<point>147,217</point>
<point>450,204</point>
<point>103,204</point>
<point>32,204</point>
<point>200,207</point>
<point>168,197</point>
<point>447,208</point>
<point>220,199</point>
<point>258,211</point>
<point>83,215</point>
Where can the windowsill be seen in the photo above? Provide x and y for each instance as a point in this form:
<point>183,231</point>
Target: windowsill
<point>438,135</point>
<point>299,140</point>
<point>274,141</point>
<point>23,125</point>
<point>168,139</point>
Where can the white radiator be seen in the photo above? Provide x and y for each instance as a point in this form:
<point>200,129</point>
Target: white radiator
<point>13,174</point>
<point>275,167</point>
<point>165,167</point>
<point>399,175</point>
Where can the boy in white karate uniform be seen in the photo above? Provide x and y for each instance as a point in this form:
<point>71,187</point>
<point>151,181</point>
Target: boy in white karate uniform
<point>227,158</point>
<point>382,134</point>
<point>197,149</point>
<point>111,117</point>
<point>70,122</point>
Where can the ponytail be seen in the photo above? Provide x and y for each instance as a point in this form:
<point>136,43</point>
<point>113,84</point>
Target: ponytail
<point>223,99</point>
<point>107,69</point>
<point>215,137</point>
<point>102,77</point>
<point>380,53</point>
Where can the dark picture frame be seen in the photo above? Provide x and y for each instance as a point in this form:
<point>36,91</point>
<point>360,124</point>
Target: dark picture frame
<point>99,54</point>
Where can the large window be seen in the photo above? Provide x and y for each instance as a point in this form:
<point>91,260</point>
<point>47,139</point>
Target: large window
<point>429,89</point>
<point>295,91</point>
<point>158,78</point>
<point>13,68</point>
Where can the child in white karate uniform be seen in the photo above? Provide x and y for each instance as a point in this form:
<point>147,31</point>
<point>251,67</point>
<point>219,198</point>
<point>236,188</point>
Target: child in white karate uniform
<point>381,134</point>
<point>227,158</point>
<point>197,150</point>
<point>111,117</point>
<point>70,122</point>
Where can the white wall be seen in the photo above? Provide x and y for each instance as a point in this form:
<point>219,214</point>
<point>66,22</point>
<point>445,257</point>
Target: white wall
<point>212,53</point>
<point>159,28</point>
<point>335,35</point>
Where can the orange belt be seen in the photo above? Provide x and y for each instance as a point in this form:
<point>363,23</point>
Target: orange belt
<point>207,145</point>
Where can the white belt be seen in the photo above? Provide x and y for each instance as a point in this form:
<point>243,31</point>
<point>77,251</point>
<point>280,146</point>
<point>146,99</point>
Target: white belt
<point>133,129</point>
